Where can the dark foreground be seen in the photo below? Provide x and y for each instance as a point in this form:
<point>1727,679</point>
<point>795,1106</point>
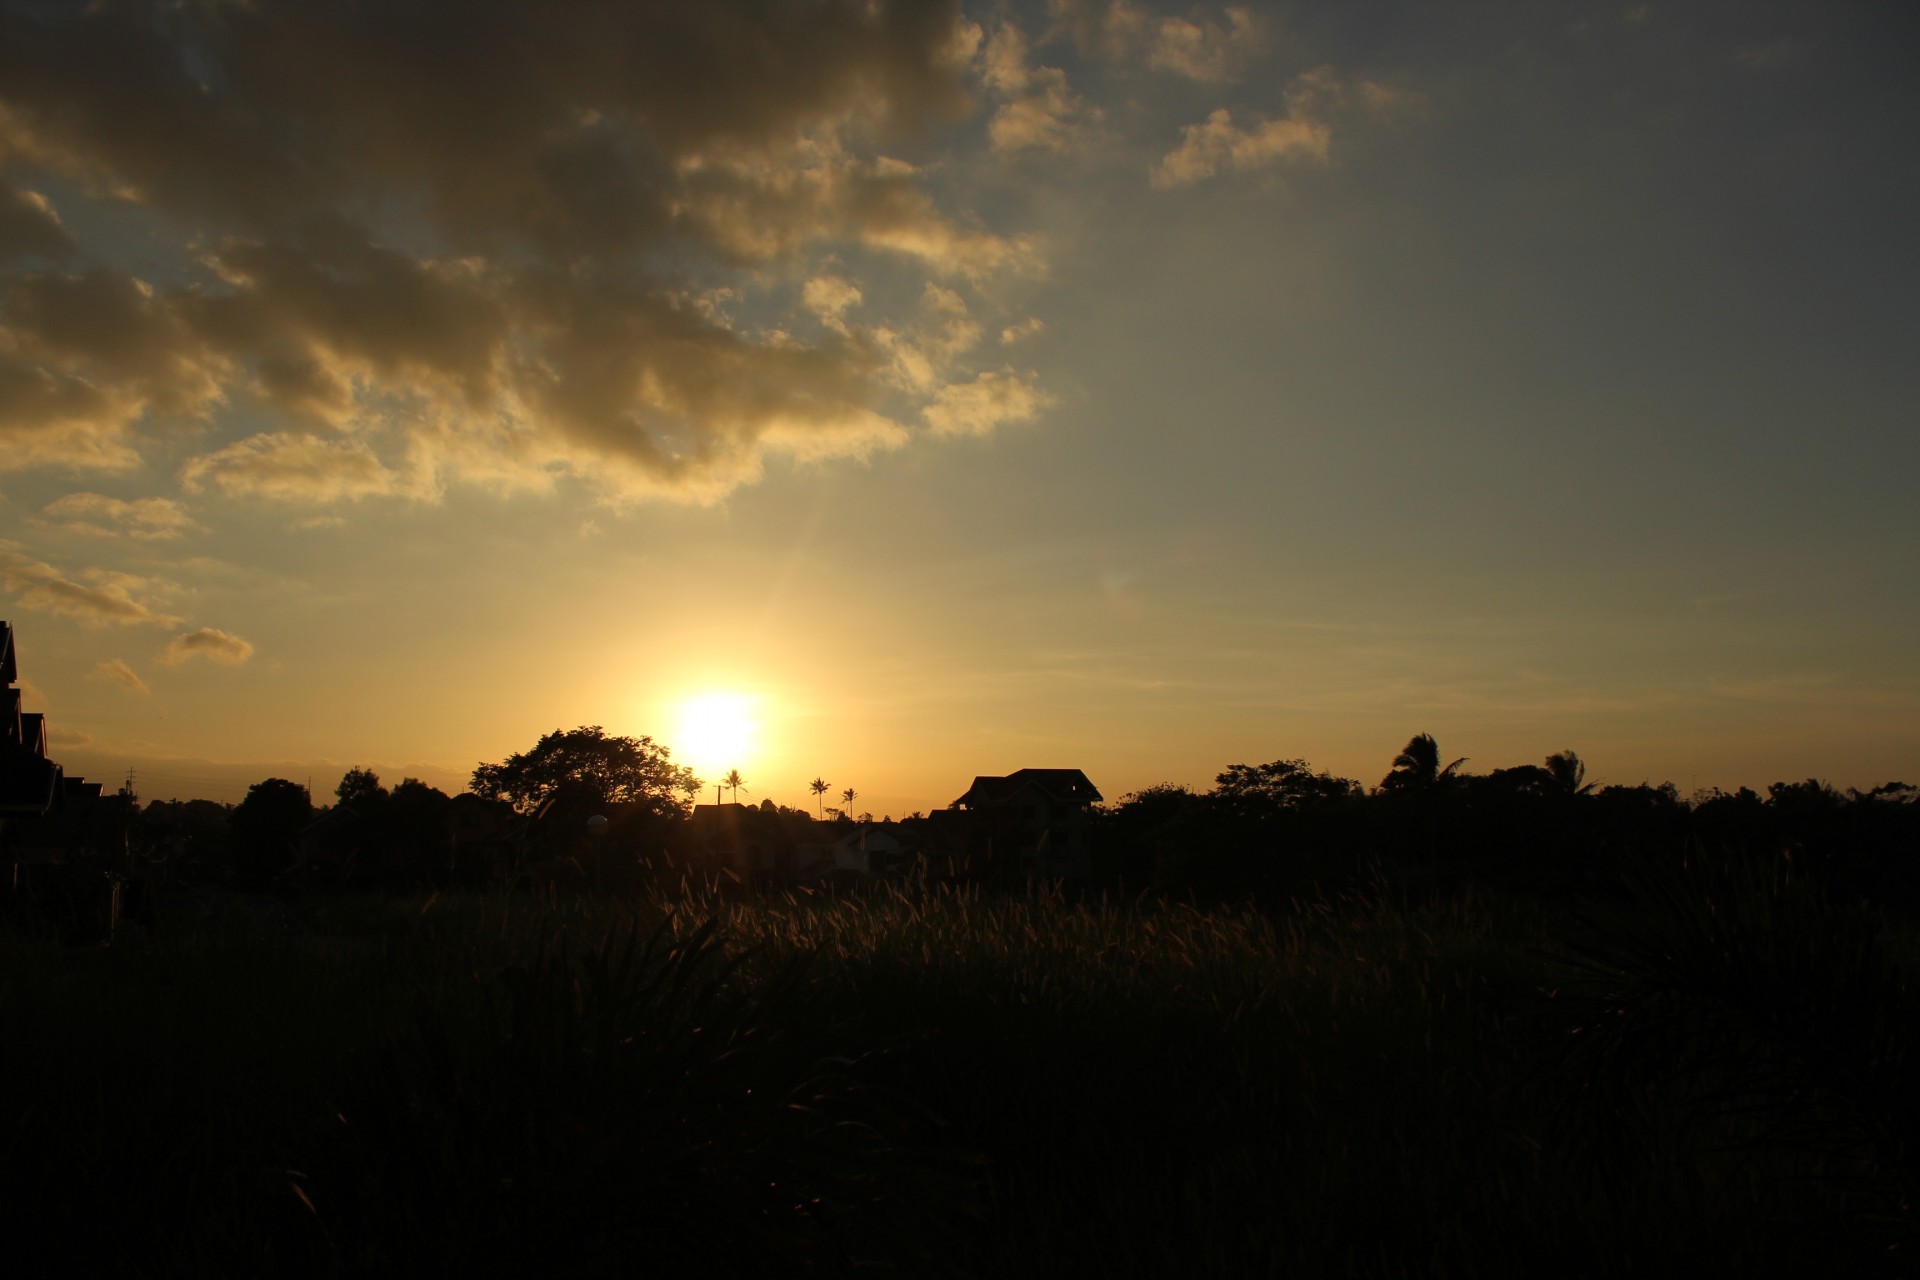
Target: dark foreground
<point>1712,1072</point>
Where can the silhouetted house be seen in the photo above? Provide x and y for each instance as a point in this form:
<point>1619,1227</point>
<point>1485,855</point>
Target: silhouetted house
<point>867,850</point>
<point>1032,823</point>
<point>750,843</point>
<point>57,833</point>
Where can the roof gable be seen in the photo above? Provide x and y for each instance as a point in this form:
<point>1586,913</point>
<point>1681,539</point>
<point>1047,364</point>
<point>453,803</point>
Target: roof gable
<point>1059,786</point>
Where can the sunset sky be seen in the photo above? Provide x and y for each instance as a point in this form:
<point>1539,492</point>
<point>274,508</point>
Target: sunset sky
<point>1134,388</point>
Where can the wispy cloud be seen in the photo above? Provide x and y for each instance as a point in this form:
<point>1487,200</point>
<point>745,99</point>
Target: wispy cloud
<point>145,519</point>
<point>117,670</point>
<point>1209,49</point>
<point>294,467</point>
<point>101,598</point>
<point>210,643</point>
<point>1218,143</point>
<point>989,401</point>
<point>1037,111</point>
<point>30,226</point>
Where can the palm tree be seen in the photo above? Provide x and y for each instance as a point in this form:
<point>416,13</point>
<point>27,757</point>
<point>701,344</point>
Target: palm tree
<point>847,798</point>
<point>1417,767</point>
<point>819,788</point>
<point>733,782</point>
<point>1567,774</point>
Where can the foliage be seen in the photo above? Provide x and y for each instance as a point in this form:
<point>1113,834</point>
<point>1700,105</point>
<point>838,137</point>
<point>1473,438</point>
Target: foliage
<point>360,789</point>
<point>590,767</point>
<point>1417,768</point>
<point>1266,789</point>
<point>264,825</point>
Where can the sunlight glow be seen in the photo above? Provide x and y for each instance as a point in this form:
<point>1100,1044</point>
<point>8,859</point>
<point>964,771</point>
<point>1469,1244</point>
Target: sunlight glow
<point>715,732</point>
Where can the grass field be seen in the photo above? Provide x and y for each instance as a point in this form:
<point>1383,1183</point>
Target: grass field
<point>1709,1073</point>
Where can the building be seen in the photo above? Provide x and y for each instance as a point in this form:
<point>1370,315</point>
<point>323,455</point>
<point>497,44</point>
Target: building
<point>62,839</point>
<point>1029,824</point>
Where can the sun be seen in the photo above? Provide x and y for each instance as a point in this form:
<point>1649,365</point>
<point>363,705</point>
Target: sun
<point>715,732</point>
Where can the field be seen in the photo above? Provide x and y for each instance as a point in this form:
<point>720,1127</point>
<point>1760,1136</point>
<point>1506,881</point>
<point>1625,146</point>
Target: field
<point>1707,1070</point>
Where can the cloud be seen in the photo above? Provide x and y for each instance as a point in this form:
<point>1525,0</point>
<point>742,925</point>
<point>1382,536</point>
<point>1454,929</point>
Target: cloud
<point>294,467</point>
<point>209,643</point>
<point>104,599</point>
<point>1032,326</point>
<point>976,408</point>
<point>1218,144</point>
<point>1115,29</point>
<point>29,226</point>
<point>85,358</point>
<point>1314,100</point>
<point>146,519</point>
<point>828,296</point>
<point>1213,51</point>
<point>119,671</point>
<point>1037,110</point>
<point>483,245</point>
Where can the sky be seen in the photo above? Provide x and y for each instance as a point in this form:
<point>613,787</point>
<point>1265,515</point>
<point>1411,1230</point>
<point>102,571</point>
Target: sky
<point>943,390</point>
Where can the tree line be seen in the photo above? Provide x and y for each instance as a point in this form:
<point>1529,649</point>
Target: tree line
<point>1278,827</point>
<point>1262,830</point>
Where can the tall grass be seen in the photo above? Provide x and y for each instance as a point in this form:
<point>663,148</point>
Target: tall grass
<point>959,1083</point>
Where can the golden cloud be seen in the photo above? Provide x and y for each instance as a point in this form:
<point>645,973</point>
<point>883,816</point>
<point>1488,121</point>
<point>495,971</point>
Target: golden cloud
<point>294,467</point>
<point>976,408</point>
<point>1218,144</point>
<point>519,307</point>
<point>145,519</point>
<point>1212,50</point>
<point>1038,111</point>
<point>103,599</point>
<point>118,671</point>
<point>210,643</point>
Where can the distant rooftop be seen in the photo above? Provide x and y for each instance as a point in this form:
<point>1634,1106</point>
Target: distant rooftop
<point>1062,786</point>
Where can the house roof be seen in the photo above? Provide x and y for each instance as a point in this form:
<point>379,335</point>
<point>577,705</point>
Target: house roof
<point>33,732</point>
<point>1062,786</point>
<point>29,784</point>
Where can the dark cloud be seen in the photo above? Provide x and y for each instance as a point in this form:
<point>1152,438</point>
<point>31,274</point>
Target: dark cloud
<point>86,357</point>
<point>480,240</point>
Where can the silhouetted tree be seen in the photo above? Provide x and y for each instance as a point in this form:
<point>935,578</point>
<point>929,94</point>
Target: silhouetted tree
<point>733,782</point>
<point>264,826</point>
<point>847,798</point>
<point>1417,767</point>
<point>1566,774</point>
<point>360,790</point>
<point>591,767</point>
<point>819,788</point>
<point>1259,789</point>
<point>413,814</point>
